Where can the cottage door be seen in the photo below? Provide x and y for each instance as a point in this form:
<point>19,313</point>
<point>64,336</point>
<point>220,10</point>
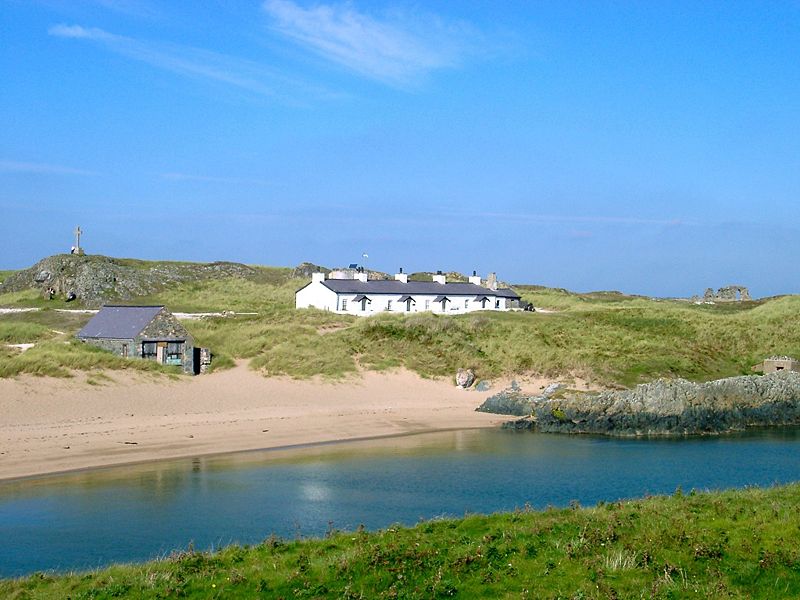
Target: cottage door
<point>161,353</point>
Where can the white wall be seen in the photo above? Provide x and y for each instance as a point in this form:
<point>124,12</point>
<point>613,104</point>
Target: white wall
<point>317,295</point>
<point>379,304</point>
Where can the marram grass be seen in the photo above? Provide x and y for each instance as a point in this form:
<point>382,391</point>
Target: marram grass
<point>733,544</point>
<point>607,337</point>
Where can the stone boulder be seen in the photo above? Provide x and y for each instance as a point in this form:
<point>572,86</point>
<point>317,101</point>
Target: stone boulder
<point>465,378</point>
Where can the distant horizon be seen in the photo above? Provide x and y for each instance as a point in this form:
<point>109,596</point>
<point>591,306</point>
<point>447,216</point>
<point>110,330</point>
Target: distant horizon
<point>647,148</point>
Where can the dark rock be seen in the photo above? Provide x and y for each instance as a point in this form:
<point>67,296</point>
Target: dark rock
<point>523,424</point>
<point>675,407</point>
<point>483,385</point>
<point>510,401</point>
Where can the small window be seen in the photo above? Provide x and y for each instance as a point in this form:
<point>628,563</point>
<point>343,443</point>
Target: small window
<point>466,304</point>
<point>388,305</point>
<point>149,350</point>
<point>124,350</point>
<point>427,304</point>
<point>174,353</point>
<point>497,303</point>
<point>344,303</point>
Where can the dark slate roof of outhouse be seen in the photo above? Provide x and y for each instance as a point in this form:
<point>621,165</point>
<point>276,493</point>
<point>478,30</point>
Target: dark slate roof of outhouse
<point>507,293</point>
<point>119,322</point>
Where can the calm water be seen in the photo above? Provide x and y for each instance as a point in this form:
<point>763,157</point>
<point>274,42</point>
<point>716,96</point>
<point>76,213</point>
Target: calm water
<point>90,519</point>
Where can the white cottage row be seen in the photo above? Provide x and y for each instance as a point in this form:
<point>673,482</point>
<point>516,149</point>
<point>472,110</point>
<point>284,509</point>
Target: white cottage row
<point>364,297</point>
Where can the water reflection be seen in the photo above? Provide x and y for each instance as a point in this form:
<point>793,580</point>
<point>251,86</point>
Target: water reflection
<point>85,519</point>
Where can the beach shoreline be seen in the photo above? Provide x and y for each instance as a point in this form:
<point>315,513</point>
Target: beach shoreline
<point>54,426</point>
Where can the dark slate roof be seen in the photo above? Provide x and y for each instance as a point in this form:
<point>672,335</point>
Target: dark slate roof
<point>507,293</point>
<point>119,322</point>
<point>407,298</point>
<point>441,299</point>
<point>388,286</point>
<point>361,297</point>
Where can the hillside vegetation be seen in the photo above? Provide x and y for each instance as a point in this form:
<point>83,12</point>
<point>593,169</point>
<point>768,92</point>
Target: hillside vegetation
<point>607,337</point>
<point>735,544</point>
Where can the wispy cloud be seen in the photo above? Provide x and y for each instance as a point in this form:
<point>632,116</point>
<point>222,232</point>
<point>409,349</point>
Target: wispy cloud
<point>554,218</point>
<point>13,166</point>
<point>397,49</point>
<point>196,62</point>
<point>212,179</point>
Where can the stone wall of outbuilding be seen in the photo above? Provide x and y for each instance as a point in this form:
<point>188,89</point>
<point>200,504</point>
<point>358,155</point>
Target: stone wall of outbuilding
<point>163,328</point>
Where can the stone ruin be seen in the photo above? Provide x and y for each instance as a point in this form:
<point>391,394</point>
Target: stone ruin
<point>730,293</point>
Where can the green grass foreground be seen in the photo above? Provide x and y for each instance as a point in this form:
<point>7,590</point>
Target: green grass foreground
<point>606,337</point>
<point>733,544</point>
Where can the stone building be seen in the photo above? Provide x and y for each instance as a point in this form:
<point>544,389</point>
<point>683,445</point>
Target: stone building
<point>146,332</point>
<point>779,363</point>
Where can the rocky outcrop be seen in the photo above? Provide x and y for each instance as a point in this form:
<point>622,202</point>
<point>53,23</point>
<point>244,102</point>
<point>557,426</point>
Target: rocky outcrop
<point>671,407</point>
<point>96,280</point>
<point>511,401</point>
<point>305,269</point>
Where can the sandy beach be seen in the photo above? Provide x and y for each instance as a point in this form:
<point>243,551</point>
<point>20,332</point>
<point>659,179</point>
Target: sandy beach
<point>51,425</point>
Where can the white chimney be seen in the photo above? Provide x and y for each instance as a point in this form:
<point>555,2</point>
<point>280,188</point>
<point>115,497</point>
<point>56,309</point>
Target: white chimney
<point>439,278</point>
<point>401,276</point>
<point>362,276</point>
<point>317,277</point>
<point>475,278</point>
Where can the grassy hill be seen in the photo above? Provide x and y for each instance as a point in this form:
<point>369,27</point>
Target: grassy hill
<point>610,338</point>
<point>735,544</point>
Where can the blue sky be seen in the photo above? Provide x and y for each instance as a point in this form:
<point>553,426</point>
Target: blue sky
<point>647,147</point>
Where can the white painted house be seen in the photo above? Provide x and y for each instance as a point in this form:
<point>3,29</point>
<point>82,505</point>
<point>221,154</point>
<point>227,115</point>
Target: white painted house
<point>363,297</point>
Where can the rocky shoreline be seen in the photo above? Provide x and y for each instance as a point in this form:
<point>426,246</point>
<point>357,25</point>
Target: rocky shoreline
<point>662,407</point>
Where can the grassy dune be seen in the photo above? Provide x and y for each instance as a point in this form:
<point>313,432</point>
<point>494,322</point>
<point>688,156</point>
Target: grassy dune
<point>610,338</point>
<point>734,544</point>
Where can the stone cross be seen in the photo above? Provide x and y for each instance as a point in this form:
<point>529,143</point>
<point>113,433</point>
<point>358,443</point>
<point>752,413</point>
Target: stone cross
<point>77,233</point>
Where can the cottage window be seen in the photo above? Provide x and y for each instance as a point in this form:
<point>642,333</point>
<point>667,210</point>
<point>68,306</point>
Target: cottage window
<point>427,304</point>
<point>125,350</point>
<point>388,305</point>
<point>149,350</point>
<point>466,304</point>
<point>344,303</point>
<point>174,353</point>
<point>497,303</point>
